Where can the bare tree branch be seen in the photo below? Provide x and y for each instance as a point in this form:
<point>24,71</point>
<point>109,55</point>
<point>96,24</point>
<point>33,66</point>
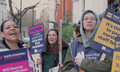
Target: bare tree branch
<point>19,15</point>
<point>28,8</point>
<point>10,6</point>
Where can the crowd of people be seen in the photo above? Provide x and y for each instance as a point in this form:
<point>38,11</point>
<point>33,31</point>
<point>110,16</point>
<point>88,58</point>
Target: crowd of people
<point>83,34</point>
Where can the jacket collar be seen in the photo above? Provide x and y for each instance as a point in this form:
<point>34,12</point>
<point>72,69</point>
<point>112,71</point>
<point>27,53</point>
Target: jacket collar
<point>4,44</point>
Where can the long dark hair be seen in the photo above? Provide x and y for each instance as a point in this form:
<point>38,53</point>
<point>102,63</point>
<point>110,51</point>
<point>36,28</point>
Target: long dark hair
<point>54,49</point>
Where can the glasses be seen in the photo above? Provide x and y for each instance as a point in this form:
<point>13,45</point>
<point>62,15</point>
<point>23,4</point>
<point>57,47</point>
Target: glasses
<point>92,19</point>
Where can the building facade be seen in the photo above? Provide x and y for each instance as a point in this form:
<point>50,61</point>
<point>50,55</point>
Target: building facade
<point>79,6</point>
<point>64,10</point>
<point>51,13</point>
<point>3,12</point>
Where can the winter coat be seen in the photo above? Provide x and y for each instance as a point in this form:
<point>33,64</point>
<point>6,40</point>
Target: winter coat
<point>86,64</point>
<point>89,53</point>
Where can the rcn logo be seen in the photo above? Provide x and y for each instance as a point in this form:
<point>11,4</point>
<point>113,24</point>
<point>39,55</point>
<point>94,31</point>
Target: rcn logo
<point>109,15</point>
<point>35,50</point>
<point>1,57</point>
<point>103,47</point>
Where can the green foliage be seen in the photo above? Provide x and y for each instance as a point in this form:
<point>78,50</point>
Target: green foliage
<point>55,24</point>
<point>67,30</point>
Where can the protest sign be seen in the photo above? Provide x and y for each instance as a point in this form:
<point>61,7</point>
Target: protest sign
<point>109,29</point>
<point>37,42</point>
<point>116,62</point>
<point>37,39</point>
<point>116,56</point>
<point>14,61</point>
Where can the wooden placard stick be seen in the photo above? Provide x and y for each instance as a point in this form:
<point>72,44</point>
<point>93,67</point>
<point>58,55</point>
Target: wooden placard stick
<point>40,65</point>
<point>60,45</point>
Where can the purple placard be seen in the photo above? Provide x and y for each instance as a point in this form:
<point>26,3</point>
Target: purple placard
<point>37,39</point>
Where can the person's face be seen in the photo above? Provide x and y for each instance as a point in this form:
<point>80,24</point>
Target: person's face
<point>10,31</point>
<point>52,37</point>
<point>89,22</point>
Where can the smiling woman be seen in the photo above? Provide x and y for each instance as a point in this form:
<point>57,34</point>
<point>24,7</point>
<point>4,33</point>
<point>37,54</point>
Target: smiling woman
<point>50,58</point>
<point>10,34</point>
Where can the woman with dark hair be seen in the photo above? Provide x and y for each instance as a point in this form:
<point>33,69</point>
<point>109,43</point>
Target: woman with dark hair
<point>50,58</point>
<point>10,34</point>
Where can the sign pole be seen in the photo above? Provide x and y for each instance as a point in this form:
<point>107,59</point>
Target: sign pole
<point>60,43</point>
<point>40,65</point>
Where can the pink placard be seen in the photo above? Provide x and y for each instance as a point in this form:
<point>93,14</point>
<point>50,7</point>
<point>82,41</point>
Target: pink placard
<point>22,66</point>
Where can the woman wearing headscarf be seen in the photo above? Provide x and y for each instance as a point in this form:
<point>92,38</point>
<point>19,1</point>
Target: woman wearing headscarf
<point>91,61</point>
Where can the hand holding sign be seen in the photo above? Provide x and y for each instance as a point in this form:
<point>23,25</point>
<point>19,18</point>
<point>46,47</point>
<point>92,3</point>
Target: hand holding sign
<point>78,60</point>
